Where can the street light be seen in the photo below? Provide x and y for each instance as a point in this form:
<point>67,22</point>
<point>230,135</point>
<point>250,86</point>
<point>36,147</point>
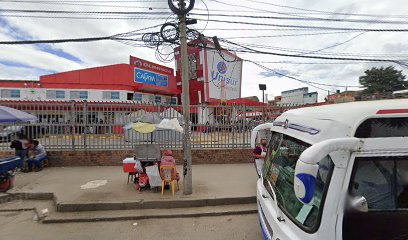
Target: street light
<point>262,87</point>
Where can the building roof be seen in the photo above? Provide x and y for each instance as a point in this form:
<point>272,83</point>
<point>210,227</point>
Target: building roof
<point>240,101</point>
<point>338,120</point>
<point>294,90</point>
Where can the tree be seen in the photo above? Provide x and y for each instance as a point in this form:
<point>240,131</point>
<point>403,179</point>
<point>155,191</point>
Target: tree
<point>383,80</point>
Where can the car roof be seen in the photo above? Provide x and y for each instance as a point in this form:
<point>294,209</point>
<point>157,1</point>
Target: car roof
<point>337,120</point>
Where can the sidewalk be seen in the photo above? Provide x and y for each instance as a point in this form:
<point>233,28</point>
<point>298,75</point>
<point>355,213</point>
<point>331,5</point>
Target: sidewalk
<point>212,184</point>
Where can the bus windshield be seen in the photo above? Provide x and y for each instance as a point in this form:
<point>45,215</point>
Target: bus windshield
<point>278,172</point>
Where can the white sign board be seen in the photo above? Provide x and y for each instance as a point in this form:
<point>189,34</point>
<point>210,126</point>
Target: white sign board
<point>219,71</point>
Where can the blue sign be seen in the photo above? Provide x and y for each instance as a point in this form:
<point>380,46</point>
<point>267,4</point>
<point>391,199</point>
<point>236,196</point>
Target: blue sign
<point>143,76</point>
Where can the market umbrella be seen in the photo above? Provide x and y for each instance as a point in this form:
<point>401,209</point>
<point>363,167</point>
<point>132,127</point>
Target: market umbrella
<point>145,123</point>
<point>153,118</point>
<point>144,127</point>
<point>11,115</point>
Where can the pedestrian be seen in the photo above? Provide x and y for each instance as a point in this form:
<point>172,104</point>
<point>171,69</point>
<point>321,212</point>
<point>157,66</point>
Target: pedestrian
<point>37,154</point>
<point>259,155</point>
<point>20,146</point>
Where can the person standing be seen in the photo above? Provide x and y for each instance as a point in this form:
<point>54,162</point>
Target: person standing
<point>20,146</point>
<point>259,155</point>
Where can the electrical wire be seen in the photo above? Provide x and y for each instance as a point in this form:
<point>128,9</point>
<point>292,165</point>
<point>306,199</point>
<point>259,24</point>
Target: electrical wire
<point>305,18</point>
<point>288,35</point>
<point>311,27</point>
<point>201,14</point>
<point>328,12</point>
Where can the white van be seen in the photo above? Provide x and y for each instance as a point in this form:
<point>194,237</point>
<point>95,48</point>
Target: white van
<point>336,172</point>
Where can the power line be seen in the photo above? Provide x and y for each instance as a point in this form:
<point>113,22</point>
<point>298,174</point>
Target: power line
<point>306,18</point>
<point>251,50</point>
<point>305,51</point>
<point>328,12</point>
<point>310,83</point>
<point>120,36</point>
<point>288,35</point>
<point>312,27</point>
<point>84,18</point>
<point>201,14</point>
<point>81,12</point>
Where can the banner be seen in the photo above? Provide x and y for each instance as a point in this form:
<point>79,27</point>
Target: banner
<point>143,76</point>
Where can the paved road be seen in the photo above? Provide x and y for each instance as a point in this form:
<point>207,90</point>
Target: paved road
<point>20,225</point>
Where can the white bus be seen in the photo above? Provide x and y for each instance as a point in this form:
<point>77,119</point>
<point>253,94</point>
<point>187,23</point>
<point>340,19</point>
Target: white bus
<point>336,172</point>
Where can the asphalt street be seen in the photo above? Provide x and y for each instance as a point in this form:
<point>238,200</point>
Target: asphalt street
<point>20,225</point>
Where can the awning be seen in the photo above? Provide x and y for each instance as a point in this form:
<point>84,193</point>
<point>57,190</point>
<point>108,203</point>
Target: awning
<point>156,89</point>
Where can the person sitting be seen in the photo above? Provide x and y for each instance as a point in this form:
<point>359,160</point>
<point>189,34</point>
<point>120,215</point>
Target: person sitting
<point>168,160</point>
<point>38,154</point>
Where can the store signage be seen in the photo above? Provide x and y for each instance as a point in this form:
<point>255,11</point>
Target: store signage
<point>220,75</point>
<point>146,65</point>
<point>143,76</point>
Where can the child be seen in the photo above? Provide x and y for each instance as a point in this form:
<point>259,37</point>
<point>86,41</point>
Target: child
<point>168,160</point>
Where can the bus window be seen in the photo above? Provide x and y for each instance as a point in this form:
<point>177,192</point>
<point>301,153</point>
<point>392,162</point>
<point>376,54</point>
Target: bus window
<point>383,127</point>
<point>279,170</point>
<point>383,182</point>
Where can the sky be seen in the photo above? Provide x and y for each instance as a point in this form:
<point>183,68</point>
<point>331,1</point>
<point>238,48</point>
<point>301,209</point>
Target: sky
<point>32,61</point>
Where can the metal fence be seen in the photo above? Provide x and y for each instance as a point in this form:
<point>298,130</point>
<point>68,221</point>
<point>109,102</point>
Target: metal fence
<point>100,125</point>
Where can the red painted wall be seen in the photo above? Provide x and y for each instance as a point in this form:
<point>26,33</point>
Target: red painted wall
<point>115,77</point>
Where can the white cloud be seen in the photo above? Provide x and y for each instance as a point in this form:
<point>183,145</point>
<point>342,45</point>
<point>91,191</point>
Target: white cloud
<point>109,52</point>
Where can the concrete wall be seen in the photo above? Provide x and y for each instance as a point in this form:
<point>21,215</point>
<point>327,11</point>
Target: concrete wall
<point>115,157</point>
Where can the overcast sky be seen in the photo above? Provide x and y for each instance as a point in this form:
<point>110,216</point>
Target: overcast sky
<point>31,61</point>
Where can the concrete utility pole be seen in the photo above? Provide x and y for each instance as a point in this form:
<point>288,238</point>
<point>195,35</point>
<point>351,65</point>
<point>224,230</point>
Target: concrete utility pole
<point>187,173</point>
<point>187,180</point>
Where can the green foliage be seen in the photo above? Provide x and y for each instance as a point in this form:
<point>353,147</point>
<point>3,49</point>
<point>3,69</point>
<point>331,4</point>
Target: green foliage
<point>383,80</point>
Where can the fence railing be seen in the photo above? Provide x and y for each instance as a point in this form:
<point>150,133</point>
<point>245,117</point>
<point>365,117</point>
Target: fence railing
<point>100,125</point>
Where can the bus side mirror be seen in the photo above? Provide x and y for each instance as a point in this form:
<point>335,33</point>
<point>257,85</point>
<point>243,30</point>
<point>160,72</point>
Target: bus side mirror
<point>307,164</point>
<point>305,181</point>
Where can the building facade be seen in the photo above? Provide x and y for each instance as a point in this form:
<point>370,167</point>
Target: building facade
<point>299,96</point>
<point>140,81</point>
<point>214,76</point>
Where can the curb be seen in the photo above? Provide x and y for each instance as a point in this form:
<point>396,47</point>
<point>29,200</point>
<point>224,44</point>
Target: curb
<point>155,204</point>
<point>49,220</point>
<point>8,197</point>
<point>117,205</point>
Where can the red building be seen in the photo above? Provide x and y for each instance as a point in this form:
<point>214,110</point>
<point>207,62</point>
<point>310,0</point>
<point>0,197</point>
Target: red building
<point>140,80</point>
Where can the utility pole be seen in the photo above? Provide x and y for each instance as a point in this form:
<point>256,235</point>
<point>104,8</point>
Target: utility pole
<point>187,179</point>
<point>181,11</point>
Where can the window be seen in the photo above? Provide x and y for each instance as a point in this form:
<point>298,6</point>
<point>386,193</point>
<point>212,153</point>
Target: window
<point>192,66</point>
<point>78,94</point>
<point>110,95</point>
<point>173,100</point>
<point>129,96</point>
<point>383,127</point>
<point>53,94</point>
<point>115,95</point>
<point>10,93</point>
<point>83,94</point>
<point>138,97</point>
<point>14,93</point>
<point>382,181</point>
<point>278,172</point>
<point>60,94</point>
<point>157,99</point>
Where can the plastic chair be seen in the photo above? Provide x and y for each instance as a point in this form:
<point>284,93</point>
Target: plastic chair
<point>169,175</point>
